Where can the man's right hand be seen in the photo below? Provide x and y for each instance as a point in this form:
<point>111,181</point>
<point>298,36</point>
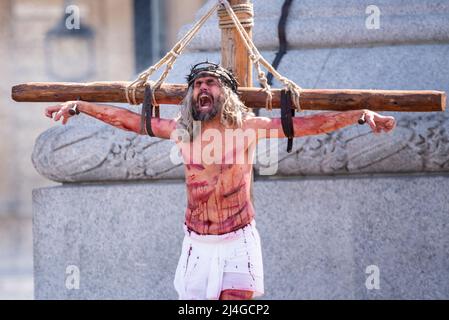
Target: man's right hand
<point>61,110</point>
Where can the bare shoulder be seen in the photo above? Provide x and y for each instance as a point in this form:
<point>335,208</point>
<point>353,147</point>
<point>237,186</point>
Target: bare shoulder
<point>265,127</point>
<point>257,122</point>
<point>163,128</point>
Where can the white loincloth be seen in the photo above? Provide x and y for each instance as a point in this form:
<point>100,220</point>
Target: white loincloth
<point>210,264</point>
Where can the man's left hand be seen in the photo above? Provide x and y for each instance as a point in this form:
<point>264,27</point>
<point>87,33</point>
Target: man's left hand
<point>379,123</point>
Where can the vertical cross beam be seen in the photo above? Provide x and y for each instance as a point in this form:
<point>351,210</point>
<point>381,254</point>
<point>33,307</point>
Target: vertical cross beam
<point>234,55</point>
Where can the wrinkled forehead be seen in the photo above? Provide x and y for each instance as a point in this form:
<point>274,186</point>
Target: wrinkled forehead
<point>206,75</point>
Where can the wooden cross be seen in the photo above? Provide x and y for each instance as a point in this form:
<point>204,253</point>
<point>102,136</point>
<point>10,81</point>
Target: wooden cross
<point>234,57</point>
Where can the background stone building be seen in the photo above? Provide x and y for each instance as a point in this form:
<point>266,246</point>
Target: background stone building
<point>127,35</point>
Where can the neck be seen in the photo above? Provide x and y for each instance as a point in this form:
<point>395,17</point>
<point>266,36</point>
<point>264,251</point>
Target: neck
<point>214,123</point>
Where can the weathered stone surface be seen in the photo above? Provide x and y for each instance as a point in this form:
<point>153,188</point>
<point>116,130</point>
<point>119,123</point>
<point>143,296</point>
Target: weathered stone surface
<point>419,144</point>
<point>110,233</point>
<point>125,239</point>
<point>101,152</point>
<point>330,23</point>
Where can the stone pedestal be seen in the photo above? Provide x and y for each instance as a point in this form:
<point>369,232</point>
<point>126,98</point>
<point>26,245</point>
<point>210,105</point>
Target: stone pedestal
<point>318,237</point>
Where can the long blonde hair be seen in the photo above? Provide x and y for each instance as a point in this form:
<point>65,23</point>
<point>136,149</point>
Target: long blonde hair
<point>233,112</point>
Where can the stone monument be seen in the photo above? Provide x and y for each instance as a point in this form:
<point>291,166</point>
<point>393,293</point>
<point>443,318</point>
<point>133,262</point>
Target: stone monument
<point>347,215</point>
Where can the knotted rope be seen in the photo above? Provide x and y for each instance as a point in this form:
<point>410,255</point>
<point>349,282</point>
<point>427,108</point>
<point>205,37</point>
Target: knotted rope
<point>257,59</point>
<point>228,19</point>
<point>169,59</point>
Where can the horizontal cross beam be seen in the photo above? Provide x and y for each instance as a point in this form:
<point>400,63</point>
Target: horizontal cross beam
<point>311,99</point>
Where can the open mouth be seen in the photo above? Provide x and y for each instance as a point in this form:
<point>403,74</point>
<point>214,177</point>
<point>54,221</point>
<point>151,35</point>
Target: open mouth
<point>204,101</point>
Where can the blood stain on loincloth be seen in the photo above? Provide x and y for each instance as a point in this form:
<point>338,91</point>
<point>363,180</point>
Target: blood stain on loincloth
<point>249,258</point>
<point>188,257</point>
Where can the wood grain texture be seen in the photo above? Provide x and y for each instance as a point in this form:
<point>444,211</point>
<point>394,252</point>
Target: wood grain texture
<point>234,55</point>
<point>311,99</point>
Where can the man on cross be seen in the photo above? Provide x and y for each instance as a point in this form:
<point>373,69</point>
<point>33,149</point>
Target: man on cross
<point>221,253</point>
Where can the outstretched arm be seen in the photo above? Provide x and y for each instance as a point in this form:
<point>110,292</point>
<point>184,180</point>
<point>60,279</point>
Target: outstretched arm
<point>118,117</point>
<point>321,123</point>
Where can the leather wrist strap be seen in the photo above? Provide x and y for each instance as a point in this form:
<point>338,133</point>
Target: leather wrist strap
<point>147,112</point>
<point>287,112</point>
<point>362,119</point>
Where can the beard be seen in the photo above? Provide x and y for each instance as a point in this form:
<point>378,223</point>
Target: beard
<point>200,113</point>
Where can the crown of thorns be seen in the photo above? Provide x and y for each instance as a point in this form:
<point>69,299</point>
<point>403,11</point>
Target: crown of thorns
<point>208,68</point>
